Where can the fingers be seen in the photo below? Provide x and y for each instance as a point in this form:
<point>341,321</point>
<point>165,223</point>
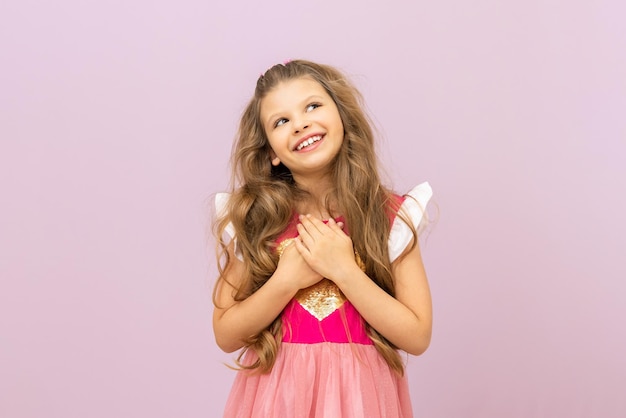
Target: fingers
<point>336,227</point>
<point>310,229</point>
<point>299,245</point>
<point>313,225</point>
<point>306,230</point>
<point>303,249</point>
<point>313,232</point>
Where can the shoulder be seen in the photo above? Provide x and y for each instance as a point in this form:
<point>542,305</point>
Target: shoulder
<point>407,218</point>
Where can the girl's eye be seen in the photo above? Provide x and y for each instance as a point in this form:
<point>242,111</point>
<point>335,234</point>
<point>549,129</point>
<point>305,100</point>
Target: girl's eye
<point>280,122</point>
<point>312,106</point>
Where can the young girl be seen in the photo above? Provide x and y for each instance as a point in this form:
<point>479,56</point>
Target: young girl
<point>321,279</point>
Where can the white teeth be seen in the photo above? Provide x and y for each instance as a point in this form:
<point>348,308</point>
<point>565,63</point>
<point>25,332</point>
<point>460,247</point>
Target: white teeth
<point>308,142</point>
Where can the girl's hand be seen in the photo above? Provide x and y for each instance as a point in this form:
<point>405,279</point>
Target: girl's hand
<point>296,269</point>
<point>325,247</point>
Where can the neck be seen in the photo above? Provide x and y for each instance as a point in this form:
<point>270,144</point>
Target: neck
<point>318,189</point>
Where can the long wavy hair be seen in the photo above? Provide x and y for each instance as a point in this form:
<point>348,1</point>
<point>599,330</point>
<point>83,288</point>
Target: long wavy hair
<point>262,201</point>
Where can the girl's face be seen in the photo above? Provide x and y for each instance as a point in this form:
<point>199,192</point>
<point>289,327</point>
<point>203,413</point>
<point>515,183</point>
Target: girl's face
<point>303,126</point>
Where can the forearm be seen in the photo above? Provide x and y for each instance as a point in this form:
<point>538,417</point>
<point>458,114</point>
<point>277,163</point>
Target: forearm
<point>235,324</point>
<point>406,329</point>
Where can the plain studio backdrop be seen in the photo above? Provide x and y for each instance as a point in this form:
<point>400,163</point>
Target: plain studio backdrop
<point>116,125</point>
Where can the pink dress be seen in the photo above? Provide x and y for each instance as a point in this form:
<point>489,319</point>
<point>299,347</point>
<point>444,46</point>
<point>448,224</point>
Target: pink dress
<point>327,366</point>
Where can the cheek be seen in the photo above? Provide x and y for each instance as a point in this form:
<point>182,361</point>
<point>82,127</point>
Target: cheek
<point>340,127</point>
<point>273,144</point>
<point>338,121</point>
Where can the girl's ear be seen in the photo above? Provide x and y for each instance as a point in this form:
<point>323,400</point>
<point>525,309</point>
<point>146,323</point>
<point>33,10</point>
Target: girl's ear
<point>275,160</point>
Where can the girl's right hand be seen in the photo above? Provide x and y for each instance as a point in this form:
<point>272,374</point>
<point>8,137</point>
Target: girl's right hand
<point>295,269</point>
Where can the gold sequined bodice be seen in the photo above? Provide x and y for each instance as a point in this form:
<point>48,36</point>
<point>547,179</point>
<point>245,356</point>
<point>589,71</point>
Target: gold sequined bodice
<point>321,299</point>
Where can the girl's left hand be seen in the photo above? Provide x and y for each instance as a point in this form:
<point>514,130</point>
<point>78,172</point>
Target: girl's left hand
<point>325,247</point>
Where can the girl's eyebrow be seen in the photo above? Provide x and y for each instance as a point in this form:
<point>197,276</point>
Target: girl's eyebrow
<point>315,96</point>
<point>271,118</point>
<point>308,99</point>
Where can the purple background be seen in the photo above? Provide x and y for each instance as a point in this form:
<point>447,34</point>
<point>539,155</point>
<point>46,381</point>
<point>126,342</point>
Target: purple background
<point>116,123</point>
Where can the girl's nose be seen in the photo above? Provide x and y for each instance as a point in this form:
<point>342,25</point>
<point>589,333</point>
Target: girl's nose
<point>301,127</point>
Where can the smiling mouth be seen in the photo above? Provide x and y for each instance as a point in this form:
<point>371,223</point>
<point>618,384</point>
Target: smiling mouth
<point>308,142</point>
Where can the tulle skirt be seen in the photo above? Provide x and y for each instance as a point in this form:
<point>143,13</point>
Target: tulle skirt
<point>324,380</point>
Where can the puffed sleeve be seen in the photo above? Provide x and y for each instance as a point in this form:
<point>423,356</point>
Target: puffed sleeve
<point>413,207</point>
<point>221,200</point>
